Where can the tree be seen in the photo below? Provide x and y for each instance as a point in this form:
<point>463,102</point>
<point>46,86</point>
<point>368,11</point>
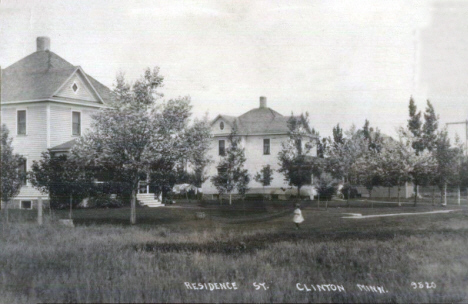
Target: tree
<point>199,136</point>
<point>344,158</point>
<point>264,177</point>
<point>394,165</point>
<point>137,136</point>
<point>62,179</point>
<point>447,164</point>
<point>326,186</point>
<point>423,137</point>
<point>296,155</point>
<point>231,172</point>
<point>429,129</point>
<point>12,177</point>
<point>415,127</point>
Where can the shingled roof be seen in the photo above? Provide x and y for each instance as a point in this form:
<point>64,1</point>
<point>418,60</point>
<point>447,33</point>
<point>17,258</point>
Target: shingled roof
<point>262,120</point>
<point>39,76</point>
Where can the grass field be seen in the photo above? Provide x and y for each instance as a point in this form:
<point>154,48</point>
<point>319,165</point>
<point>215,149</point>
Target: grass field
<point>103,259</point>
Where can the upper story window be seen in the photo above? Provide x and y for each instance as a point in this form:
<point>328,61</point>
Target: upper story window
<point>221,125</point>
<point>22,171</point>
<point>21,122</point>
<point>76,123</point>
<point>222,147</point>
<point>266,146</point>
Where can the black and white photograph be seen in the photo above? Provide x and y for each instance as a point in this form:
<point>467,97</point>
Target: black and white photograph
<point>221,151</point>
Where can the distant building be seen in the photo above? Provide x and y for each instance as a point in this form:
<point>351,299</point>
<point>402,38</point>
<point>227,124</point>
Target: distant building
<point>262,130</point>
<point>46,103</point>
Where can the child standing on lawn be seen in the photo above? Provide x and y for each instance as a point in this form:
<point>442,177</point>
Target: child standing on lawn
<point>298,216</point>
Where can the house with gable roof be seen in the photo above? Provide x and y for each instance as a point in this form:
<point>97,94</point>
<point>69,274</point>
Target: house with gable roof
<point>261,130</point>
<point>46,103</point>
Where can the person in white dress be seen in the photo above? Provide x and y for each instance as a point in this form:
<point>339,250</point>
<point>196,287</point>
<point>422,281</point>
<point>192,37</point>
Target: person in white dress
<point>298,219</point>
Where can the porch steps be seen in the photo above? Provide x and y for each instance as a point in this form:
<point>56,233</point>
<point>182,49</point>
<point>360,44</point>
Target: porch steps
<point>148,200</point>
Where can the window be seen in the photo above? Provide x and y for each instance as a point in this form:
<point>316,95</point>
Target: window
<point>26,205</point>
<point>221,125</point>
<point>21,120</point>
<point>22,171</point>
<point>222,150</point>
<point>76,121</point>
<point>75,87</point>
<point>266,146</point>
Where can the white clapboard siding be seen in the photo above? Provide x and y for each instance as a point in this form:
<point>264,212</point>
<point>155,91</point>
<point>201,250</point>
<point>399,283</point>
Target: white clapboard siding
<point>61,122</point>
<point>84,92</point>
<point>34,142</point>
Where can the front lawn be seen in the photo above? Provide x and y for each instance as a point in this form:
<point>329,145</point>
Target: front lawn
<point>104,259</point>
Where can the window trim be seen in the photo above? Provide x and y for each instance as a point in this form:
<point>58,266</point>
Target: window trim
<point>21,204</point>
<point>25,182</point>
<point>26,121</point>
<point>269,146</point>
<point>224,147</point>
<point>80,123</point>
<point>77,87</point>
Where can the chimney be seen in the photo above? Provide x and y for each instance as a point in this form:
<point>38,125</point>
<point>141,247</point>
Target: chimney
<point>43,44</point>
<point>263,102</point>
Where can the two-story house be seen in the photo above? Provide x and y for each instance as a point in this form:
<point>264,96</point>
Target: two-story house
<point>262,130</point>
<point>46,103</point>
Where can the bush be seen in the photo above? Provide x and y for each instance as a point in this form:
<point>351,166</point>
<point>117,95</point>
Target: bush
<point>352,191</point>
<point>104,201</point>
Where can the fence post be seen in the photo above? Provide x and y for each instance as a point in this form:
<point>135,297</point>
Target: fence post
<point>39,210</point>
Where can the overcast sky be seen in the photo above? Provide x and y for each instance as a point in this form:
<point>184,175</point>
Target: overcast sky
<point>342,61</point>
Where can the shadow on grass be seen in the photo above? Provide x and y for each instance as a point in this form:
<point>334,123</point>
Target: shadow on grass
<point>252,244</point>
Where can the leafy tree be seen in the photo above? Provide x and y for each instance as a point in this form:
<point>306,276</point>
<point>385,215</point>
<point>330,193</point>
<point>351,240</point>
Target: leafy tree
<point>61,178</point>
<point>12,177</point>
<point>447,164</point>
<point>295,158</point>
<point>344,159</point>
<point>415,127</point>
<point>231,172</point>
<point>394,165</point>
<point>429,129</point>
<point>137,136</point>
<point>198,137</point>
<point>264,177</point>
<point>326,186</point>
<point>338,135</point>
<point>423,137</point>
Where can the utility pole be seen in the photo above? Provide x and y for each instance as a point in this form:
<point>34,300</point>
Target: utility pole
<point>466,132</point>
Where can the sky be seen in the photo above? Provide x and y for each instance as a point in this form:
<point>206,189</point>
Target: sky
<point>340,61</point>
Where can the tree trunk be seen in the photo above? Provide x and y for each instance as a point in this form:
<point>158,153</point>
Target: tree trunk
<point>299,192</point>
<point>39,211</point>
<point>389,189</point>
<point>458,196</point>
<point>71,204</point>
<point>133,202</point>
<point>399,201</point>
<point>415,194</point>
<point>433,195</point>
<point>445,194</point>
<point>318,200</point>
<point>230,198</point>
<point>349,194</point>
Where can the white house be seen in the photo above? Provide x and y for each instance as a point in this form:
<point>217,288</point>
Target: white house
<point>262,130</point>
<point>46,103</point>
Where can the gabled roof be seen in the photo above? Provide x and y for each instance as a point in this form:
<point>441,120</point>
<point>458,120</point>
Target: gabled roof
<point>39,76</point>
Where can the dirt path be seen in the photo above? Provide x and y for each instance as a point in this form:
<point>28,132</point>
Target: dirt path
<point>360,216</point>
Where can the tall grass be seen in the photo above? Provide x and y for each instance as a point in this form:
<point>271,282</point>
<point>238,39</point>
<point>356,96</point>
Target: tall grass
<point>112,264</point>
